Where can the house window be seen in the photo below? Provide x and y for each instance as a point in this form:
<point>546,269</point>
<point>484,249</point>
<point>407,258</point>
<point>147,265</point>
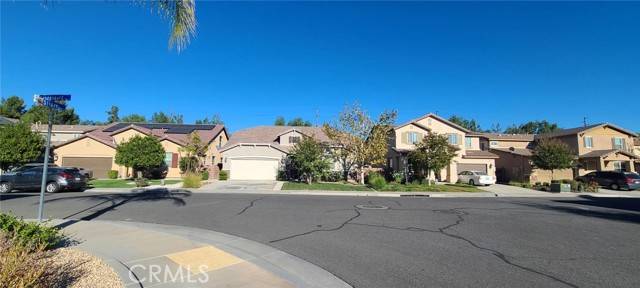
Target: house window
<point>219,142</point>
<point>588,142</point>
<point>468,142</point>
<point>294,139</point>
<point>493,144</point>
<point>412,137</point>
<point>617,165</point>
<point>618,143</point>
<point>168,158</point>
<point>453,139</point>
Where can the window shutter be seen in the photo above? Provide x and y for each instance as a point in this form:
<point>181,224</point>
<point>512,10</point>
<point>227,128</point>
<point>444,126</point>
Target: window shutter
<point>404,138</point>
<point>174,160</point>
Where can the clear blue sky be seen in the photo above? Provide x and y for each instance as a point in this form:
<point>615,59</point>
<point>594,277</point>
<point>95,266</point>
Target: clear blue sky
<point>250,62</point>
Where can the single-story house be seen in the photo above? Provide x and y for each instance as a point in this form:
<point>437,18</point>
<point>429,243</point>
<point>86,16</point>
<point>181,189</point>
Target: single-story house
<point>257,153</point>
<point>473,154</point>
<point>96,149</point>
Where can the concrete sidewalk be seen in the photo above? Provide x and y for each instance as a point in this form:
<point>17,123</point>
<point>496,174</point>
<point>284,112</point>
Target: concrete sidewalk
<point>153,255</point>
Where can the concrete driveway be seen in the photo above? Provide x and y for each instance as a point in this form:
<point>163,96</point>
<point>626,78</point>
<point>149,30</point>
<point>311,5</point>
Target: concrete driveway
<point>513,191</point>
<point>240,185</point>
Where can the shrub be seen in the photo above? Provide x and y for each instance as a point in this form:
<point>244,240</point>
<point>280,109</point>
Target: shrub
<point>142,182</point>
<point>224,175</point>
<point>112,174</point>
<point>191,181</point>
<point>398,177</point>
<point>376,181</point>
<point>205,175</point>
<point>332,176</point>
<point>30,234</point>
<point>282,176</point>
<point>188,164</point>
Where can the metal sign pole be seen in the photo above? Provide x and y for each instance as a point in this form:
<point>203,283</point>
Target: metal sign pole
<point>45,167</point>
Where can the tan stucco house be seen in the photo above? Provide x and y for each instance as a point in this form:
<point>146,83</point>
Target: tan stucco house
<point>636,150</point>
<point>599,147</point>
<point>257,153</point>
<point>96,149</point>
<point>473,154</point>
<point>63,133</point>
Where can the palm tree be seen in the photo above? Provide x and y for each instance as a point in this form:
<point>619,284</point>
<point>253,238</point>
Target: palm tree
<point>181,13</point>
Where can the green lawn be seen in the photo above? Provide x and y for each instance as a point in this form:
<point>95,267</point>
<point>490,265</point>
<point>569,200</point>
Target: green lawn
<point>324,186</point>
<point>390,187</point>
<point>125,183</point>
<point>430,188</point>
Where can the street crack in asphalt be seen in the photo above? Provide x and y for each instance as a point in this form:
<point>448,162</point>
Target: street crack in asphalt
<point>251,204</point>
<point>460,219</point>
<point>321,230</point>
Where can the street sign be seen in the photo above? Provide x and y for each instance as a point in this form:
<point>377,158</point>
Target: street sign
<point>53,101</point>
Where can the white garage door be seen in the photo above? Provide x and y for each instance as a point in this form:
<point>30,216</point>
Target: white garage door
<point>254,169</point>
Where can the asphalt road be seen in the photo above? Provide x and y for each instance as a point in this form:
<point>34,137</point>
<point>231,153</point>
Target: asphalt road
<point>415,242</point>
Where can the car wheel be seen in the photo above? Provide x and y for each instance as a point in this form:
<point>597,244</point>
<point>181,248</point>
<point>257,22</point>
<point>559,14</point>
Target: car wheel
<point>615,186</point>
<point>52,187</point>
<point>471,182</point>
<point>5,187</point>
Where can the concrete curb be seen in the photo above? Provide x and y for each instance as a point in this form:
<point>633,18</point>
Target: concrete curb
<point>293,269</point>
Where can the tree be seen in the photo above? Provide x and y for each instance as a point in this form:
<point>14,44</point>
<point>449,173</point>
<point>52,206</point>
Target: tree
<point>41,114</point>
<point>279,121</point>
<point>134,118</point>
<point>215,120</point>
<point>359,141</point>
<point>140,153</point>
<point>432,154</point>
<point>161,117</point>
<point>194,150</point>
<point>91,122</point>
<point>308,159</point>
<point>113,114</point>
<point>298,122</point>
<point>469,124</point>
<point>19,145</point>
<point>12,107</point>
<point>552,154</point>
<point>532,127</point>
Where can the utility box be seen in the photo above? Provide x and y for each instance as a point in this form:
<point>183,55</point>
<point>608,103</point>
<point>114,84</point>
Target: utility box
<point>560,187</point>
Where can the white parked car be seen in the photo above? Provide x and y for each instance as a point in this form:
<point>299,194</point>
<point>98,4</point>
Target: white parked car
<point>476,178</point>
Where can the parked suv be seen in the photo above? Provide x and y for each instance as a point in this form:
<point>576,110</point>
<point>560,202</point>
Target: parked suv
<point>30,178</point>
<point>613,179</point>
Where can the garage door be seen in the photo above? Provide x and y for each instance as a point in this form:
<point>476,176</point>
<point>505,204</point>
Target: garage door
<point>472,167</point>
<point>253,169</point>
<point>99,165</point>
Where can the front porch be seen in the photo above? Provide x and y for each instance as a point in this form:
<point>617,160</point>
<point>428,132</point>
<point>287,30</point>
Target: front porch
<point>608,160</point>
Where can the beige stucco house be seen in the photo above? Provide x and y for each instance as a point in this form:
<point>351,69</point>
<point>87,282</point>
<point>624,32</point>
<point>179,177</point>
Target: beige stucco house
<point>636,150</point>
<point>257,153</point>
<point>63,133</point>
<point>473,151</point>
<point>96,149</point>
<point>599,147</point>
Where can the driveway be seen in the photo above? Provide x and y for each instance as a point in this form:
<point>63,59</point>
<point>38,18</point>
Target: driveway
<point>239,186</point>
<point>513,191</point>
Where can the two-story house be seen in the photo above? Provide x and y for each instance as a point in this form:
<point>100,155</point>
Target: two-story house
<point>599,147</point>
<point>257,153</point>
<point>636,150</point>
<point>473,154</point>
<point>63,133</point>
<point>96,149</point>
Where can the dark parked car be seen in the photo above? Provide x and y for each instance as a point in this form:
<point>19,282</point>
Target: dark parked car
<point>30,178</point>
<point>613,179</point>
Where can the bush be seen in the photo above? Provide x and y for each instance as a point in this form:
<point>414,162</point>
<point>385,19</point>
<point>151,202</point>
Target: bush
<point>112,174</point>
<point>142,182</point>
<point>282,176</point>
<point>376,181</point>
<point>30,234</point>
<point>332,176</point>
<point>205,175</point>
<point>188,164</point>
<point>192,181</point>
<point>398,177</point>
<point>224,175</point>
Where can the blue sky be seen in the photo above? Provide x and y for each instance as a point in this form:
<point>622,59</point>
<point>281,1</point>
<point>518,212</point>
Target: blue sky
<point>250,62</point>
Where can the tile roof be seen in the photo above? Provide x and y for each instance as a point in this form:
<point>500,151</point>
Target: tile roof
<point>479,154</point>
<point>65,128</point>
<point>576,130</point>
<point>600,153</point>
<point>517,151</point>
<point>505,137</point>
<point>414,121</point>
<point>269,135</point>
<point>172,132</point>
